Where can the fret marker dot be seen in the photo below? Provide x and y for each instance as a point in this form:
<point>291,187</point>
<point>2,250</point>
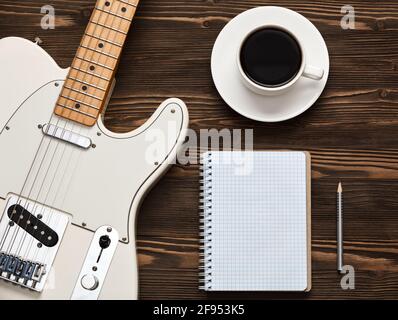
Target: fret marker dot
<point>107,3</point>
<point>77,105</point>
<point>84,88</point>
<point>101,45</point>
<point>92,68</point>
<point>124,9</point>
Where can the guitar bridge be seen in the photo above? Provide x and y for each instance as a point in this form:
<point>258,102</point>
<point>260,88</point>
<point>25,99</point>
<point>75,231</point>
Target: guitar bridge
<point>24,272</point>
<point>30,235</point>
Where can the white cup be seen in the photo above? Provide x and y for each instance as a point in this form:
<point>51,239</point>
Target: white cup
<point>305,70</point>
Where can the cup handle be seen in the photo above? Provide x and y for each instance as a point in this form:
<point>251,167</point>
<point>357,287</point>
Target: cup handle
<point>313,73</point>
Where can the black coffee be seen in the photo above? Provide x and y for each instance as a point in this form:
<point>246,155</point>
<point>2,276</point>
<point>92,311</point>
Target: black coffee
<point>270,57</point>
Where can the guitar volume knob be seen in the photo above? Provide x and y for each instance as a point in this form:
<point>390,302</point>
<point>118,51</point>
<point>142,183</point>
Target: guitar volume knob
<point>89,282</point>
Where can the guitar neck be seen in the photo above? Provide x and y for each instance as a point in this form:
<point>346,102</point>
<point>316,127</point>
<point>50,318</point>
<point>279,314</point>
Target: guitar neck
<point>86,88</point>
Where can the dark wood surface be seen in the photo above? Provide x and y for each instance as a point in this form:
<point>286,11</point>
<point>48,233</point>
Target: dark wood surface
<point>351,131</point>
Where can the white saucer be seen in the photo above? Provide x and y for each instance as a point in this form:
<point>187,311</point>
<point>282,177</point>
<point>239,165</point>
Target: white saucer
<point>225,71</point>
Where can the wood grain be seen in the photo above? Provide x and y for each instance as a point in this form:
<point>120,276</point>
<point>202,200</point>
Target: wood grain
<point>351,131</point>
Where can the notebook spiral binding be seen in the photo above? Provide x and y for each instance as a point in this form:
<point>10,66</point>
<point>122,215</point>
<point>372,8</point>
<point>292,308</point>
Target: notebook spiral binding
<point>205,211</point>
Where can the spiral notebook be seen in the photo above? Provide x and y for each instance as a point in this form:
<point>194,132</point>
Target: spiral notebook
<point>255,221</point>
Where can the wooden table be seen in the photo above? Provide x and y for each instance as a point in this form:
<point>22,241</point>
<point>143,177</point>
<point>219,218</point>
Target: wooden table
<point>351,131</point>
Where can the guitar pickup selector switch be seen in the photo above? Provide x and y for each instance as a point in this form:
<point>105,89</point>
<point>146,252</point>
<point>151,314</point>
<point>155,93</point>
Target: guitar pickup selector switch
<point>96,264</point>
<point>105,242</point>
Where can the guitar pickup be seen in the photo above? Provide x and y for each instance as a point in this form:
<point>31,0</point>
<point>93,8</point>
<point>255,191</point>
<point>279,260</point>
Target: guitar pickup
<point>32,225</point>
<point>27,255</point>
<point>66,136</point>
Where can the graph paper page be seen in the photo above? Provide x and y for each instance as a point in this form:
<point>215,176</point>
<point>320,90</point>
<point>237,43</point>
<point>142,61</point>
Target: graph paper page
<point>259,221</point>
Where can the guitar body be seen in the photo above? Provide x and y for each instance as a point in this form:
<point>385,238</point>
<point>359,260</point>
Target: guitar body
<point>91,187</point>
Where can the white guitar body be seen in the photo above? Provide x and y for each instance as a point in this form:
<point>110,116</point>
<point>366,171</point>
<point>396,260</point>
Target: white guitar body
<point>90,188</point>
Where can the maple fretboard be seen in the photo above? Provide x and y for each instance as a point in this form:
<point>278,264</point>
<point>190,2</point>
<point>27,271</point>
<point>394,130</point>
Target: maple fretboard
<point>86,88</point>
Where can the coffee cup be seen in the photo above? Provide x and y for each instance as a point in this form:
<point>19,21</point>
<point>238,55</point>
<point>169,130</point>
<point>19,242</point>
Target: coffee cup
<point>271,59</point>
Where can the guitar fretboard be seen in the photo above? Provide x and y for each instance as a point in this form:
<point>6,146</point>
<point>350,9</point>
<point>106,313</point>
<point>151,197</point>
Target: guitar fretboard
<point>90,78</point>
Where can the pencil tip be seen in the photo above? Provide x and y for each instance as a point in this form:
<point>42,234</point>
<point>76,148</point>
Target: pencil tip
<point>340,188</point>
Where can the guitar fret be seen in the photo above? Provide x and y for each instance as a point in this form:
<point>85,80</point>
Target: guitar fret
<point>100,52</point>
<point>91,74</point>
<point>91,80</point>
<point>82,88</point>
<point>130,4</point>
<point>113,14</point>
<point>76,110</point>
<point>108,27</point>
<point>96,63</point>
<point>87,83</point>
<point>82,92</point>
<point>105,40</point>
<point>98,31</point>
<point>80,102</point>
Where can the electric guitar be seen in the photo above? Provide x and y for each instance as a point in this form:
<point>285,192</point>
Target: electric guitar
<point>70,189</point>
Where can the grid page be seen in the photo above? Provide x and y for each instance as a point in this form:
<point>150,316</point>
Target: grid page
<point>259,221</point>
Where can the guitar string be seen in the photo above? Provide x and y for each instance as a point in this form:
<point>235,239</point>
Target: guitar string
<point>36,202</point>
<point>19,200</point>
<point>55,152</point>
<point>107,37</point>
<point>56,171</point>
<point>16,230</point>
<point>34,161</point>
<point>102,73</point>
<point>19,196</point>
<point>86,75</point>
<point>38,172</point>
